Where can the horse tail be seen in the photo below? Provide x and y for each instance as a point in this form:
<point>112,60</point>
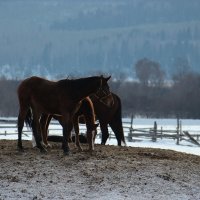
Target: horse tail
<point>29,119</point>
<point>118,117</point>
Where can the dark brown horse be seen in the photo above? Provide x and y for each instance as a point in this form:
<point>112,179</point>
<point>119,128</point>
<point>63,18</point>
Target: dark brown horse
<point>108,112</point>
<point>55,98</point>
<point>86,111</point>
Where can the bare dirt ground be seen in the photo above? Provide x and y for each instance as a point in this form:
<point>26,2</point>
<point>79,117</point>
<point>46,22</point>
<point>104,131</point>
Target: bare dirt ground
<point>110,172</point>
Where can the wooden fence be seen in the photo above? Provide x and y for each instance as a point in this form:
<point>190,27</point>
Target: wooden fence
<point>153,133</point>
<point>8,127</point>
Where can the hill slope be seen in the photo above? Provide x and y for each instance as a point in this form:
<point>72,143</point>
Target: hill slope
<point>54,38</point>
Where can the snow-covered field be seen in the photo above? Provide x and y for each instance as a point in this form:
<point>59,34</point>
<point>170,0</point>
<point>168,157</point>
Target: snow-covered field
<point>109,172</point>
<point>190,125</point>
<point>193,126</point>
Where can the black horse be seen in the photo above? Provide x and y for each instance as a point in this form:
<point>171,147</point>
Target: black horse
<point>108,111</point>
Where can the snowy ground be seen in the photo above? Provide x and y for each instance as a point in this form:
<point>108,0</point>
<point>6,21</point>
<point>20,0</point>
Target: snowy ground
<point>110,172</point>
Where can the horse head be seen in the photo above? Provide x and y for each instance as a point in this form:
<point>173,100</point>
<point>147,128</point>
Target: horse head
<point>103,94</point>
<point>104,87</point>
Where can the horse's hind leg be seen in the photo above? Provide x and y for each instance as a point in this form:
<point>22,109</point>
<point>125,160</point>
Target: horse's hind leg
<point>105,134</point>
<point>37,131</point>
<point>20,125</point>
<point>76,129</point>
<point>44,124</point>
<point>117,128</point>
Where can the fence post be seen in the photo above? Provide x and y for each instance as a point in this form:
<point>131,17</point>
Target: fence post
<point>130,139</point>
<point>178,135</point>
<point>180,130</point>
<point>154,136</point>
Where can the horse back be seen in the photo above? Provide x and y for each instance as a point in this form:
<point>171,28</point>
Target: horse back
<point>43,94</point>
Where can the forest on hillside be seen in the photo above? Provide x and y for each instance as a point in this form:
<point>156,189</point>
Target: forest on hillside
<point>51,38</point>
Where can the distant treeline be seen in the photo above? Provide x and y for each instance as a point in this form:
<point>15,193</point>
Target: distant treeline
<point>180,98</point>
<point>8,98</point>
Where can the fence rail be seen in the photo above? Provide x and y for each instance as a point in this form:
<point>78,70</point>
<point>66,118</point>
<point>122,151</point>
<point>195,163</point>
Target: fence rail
<point>8,127</point>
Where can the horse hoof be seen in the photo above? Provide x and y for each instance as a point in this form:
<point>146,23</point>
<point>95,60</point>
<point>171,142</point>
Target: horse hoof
<point>49,146</point>
<point>43,150</point>
<point>80,149</point>
<point>91,152</point>
<point>20,149</point>
<point>66,153</point>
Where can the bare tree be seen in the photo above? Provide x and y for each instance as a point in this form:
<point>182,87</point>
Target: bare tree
<point>186,94</point>
<point>149,72</point>
<point>181,68</point>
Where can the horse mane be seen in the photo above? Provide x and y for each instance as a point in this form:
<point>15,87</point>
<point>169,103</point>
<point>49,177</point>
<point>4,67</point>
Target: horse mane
<point>75,83</point>
<point>76,87</point>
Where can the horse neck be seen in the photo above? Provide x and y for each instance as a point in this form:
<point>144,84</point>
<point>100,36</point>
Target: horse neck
<point>88,112</point>
<point>85,87</point>
<point>89,122</point>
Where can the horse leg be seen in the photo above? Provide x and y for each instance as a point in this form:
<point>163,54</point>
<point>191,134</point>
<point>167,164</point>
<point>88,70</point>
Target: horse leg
<point>44,124</point>
<point>91,134</point>
<point>105,134</point>
<point>37,132</point>
<point>67,124</point>
<point>94,132</point>
<point>76,129</point>
<point>90,139</point>
<point>116,130</point>
<point>60,119</point>
<point>20,125</point>
<point>116,126</point>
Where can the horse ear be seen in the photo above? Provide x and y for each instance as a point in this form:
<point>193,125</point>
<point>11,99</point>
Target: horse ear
<point>108,78</point>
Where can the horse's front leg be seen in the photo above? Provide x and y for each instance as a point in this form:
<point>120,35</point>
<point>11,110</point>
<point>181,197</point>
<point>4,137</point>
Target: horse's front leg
<point>76,129</point>
<point>37,132</point>
<point>44,124</point>
<point>90,139</point>
<point>91,134</point>
<point>67,128</point>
